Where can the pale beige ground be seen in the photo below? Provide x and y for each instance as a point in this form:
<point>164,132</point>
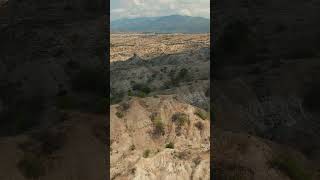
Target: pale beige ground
<point>189,159</point>
<point>123,46</point>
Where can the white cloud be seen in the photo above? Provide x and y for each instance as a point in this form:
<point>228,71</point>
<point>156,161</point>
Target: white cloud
<point>118,10</point>
<point>143,8</point>
<point>185,12</point>
<point>172,6</point>
<point>165,1</point>
<point>138,2</point>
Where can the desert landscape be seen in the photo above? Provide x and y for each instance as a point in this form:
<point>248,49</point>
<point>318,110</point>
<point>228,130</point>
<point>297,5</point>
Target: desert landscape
<point>160,122</point>
<point>151,45</point>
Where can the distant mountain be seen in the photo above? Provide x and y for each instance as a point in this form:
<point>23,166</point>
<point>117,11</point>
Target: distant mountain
<point>163,24</point>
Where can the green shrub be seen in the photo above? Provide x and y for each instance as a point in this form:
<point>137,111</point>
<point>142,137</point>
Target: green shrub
<point>146,153</point>
<point>31,166</point>
<point>170,145</point>
<point>180,118</point>
<point>130,93</point>
<point>290,166</point>
<point>201,113</point>
<point>116,98</point>
<point>141,87</point>
<point>141,94</point>
<point>158,127</point>
<point>155,117</point>
<point>119,114</point>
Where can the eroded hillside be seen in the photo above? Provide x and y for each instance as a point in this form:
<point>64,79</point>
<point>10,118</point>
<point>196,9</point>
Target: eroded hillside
<point>160,125</point>
<point>159,138</point>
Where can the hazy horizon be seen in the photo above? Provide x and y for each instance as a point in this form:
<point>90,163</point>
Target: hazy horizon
<point>121,9</point>
<point>158,17</point>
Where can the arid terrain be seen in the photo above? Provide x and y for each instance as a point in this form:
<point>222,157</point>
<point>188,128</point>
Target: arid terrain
<point>151,45</point>
<point>160,125</point>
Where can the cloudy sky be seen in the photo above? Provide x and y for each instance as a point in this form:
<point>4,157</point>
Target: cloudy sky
<point>147,8</point>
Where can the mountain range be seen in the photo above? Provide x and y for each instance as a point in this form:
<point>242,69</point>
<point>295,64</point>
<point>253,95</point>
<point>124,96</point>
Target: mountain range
<point>163,24</point>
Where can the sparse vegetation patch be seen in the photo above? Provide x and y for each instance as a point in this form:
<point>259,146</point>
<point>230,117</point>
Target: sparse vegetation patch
<point>158,127</point>
<point>141,87</point>
<point>116,98</point>
<point>201,114</point>
<point>146,153</point>
<point>170,145</point>
<point>119,114</point>
<point>155,116</point>
<point>180,118</point>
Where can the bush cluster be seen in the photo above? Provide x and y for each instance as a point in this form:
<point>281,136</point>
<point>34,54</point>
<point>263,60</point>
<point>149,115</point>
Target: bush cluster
<point>180,118</point>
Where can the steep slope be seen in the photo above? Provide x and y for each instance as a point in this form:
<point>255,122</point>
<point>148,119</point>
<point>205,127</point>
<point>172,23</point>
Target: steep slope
<point>159,128</point>
<point>185,74</point>
<point>158,138</point>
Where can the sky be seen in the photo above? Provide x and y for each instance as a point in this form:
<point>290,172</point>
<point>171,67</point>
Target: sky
<point>151,8</point>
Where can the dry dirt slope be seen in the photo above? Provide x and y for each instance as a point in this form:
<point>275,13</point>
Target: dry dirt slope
<point>159,138</point>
